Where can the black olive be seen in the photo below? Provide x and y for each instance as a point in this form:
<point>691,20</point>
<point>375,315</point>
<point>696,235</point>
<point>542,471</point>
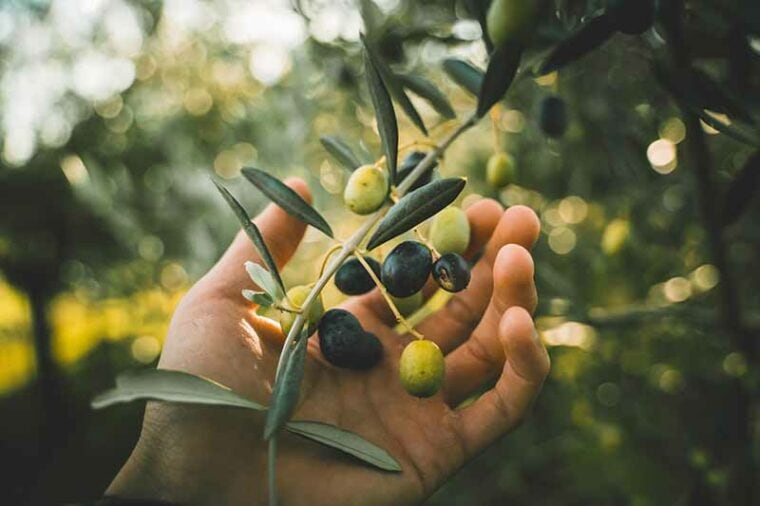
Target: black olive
<point>632,17</point>
<point>344,343</point>
<point>452,272</point>
<point>407,268</point>
<point>553,117</point>
<point>353,279</point>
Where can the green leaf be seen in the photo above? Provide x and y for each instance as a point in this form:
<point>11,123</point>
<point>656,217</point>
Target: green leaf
<point>261,298</point>
<point>394,86</point>
<point>501,71</point>
<point>264,280</point>
<point>427,90</point>
<point>345,441</point>
<point>743,189</point>
<point>464,74</point>
<point>415,207</point>
<point>386,116</point>
<point>287,386</point>
<point>591,34</point>
<point>171,386</point>
<point>339,150</point>
<point>254,234</point>
<point>286,198</point>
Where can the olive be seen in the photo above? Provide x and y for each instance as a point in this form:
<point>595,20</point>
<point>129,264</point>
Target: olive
<point>632,17</point>
<point>500,170</point>
<point>406,268</point>
<point>452,272</point>
<point>421,368</point>
<point>511,21</point>
<point>407,166</point>
<point>553,116</point>
<point>353,279</point>
<point>295,299</point>
<point>450,231</point>
<point>408,305</point>
<point>344,343</point>
<point>366,190</point>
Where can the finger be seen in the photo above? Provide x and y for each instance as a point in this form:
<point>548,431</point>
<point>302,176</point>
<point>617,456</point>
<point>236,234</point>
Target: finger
<point>501,409</point>
<point>282,234</point>
<point>481,357</point>
<point>483,217</point>
<point>455,322</point>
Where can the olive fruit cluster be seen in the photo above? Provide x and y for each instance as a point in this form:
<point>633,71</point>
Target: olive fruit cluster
<point>500,170</point>
<point>344,343</point>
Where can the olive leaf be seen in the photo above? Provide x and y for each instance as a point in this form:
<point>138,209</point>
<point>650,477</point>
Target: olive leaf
<point>171,386</point>
<point>479,10</point>
<point>591,34</point>
<point>264,280</point>
<point>386,116</point>
<point>464,74</point>
<point>287,385</point>
<point>415,207</point>
<point>286,198</point>
<point>261,298</point>
<point>742,190</point>
<point>254,234</point>
<point>340,150</point>
<point>501,71</point>
<point>346,441</point>
<point>394,87</point>
<point>430,92</point>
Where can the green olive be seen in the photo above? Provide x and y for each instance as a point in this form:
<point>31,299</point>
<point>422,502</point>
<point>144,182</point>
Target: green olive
<point>511,21</point>
<point>408,305</point>
<point>421,368</point>
<point>295,299</point>
<point>366,190</point>
<point>500,170</point>
<point>450,232</point>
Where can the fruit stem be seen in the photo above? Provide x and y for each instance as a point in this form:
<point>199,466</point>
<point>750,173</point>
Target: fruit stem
<point>384,293</point>
<point>495,129</point>
<point>327,257</point>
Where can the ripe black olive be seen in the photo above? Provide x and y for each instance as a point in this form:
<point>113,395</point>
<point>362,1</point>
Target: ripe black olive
<point>344,343</point>
<point>353,279</point>
<point>553,117</point>
<point>632,17</point>
<point>406,268</point>
<point>452,272</point>
<point>407,166</point>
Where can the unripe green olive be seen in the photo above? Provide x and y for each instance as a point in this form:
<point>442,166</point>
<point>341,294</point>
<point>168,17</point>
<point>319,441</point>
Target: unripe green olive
<point>408,305</point>
<point>511,21</point>
<point>421,368</point>
<point>366,190</point>
<point>450,231</point>
<point>500,170</point>
<point>296,297</point>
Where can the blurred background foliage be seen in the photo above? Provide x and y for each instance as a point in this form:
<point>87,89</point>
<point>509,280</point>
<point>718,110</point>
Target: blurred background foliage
<point>115,113</point>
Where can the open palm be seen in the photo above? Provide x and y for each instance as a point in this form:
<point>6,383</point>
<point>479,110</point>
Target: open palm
<point>201,455</point>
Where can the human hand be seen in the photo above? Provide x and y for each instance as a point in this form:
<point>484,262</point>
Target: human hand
<point>202,455</point>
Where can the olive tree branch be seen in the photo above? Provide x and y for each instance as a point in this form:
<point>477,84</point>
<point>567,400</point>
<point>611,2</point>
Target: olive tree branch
<point>347,249</point>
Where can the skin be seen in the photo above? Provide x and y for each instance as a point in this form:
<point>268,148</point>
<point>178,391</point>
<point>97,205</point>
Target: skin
<point>204,455</point>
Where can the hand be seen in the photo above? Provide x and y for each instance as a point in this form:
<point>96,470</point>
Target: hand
<point>204,455</point>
